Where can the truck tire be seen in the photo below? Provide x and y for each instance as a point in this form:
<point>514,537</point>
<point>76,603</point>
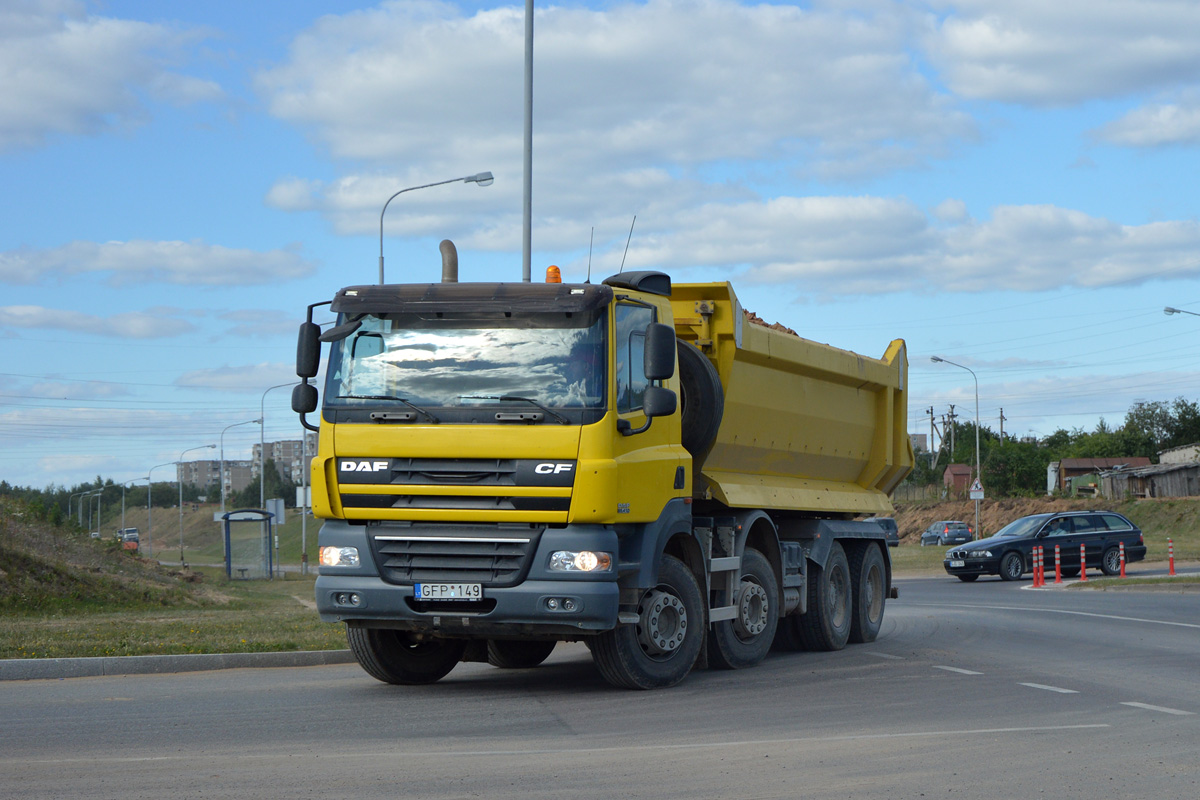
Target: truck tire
<point>745,640</point>
<point>868,579</point>
<point>515,654</point>
<point>661,648</point>
<point>702,400</point>
<point>396,657</point>
<point>826,625</point>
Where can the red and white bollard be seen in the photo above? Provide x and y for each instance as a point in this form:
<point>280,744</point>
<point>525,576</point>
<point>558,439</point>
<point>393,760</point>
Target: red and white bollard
<point>1057,564</point>
<point>1041,566</point>
<point>1082,562</point>
<point>1122,559</point>
<point>1170,556</point>
<point>1033,558</point>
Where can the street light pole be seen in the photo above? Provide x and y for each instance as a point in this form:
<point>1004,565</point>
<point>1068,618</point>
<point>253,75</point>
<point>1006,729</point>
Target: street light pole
<point>179,475</point>
<point>227,427</point>
<point>978,471</point>
<point>1169,311</point>
<point>150,508</point>
<point>482,178</point>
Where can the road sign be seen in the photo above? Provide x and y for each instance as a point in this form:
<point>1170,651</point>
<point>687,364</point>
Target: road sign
<point>977,490</point>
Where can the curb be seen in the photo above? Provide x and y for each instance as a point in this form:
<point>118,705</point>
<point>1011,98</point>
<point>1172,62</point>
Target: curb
<point>29,669</point>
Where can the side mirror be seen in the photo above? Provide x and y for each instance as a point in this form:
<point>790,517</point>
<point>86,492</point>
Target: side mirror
<point>308,350</point>
<point>659,355</point>
<point>658,402</point>
<point>304,398</point>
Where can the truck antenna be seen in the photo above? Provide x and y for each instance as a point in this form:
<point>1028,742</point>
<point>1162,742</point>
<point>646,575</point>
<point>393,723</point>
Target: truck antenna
<point>622,269</point>
<point>591,238</point>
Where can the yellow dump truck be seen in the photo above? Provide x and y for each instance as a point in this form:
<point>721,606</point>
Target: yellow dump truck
<point>631,464</point>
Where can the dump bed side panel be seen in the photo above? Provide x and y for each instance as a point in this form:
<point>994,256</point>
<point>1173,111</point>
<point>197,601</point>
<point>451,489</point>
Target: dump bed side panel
<point>806,426</point>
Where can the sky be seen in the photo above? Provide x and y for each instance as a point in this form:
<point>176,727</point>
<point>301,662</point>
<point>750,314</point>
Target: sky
<point>1006,184</point>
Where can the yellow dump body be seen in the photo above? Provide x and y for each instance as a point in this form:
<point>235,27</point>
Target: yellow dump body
<point>806,427</point>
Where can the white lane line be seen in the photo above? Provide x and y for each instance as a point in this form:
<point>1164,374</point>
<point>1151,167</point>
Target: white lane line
<point>959,670</point>
<point>1149,707</point>
<point>885,655</point>
<point>578,751</point>
<point>1060,611</point>
<point>1049,688</point>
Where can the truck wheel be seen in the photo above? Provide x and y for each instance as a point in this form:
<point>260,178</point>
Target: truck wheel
<point>509,654</point>
<point>745,640</point>
<point>1012,566</point>
<point>868,578</point>
<point>826,626</point>
<point>397,657</point>
<point>702,401</point>
<point>660,649</point>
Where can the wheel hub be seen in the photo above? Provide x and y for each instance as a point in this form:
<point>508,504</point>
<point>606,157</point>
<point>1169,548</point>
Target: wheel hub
<point>752,604</point>
<point>662,623</point>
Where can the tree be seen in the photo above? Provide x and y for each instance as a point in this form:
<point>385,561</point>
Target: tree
<point>277,486</point>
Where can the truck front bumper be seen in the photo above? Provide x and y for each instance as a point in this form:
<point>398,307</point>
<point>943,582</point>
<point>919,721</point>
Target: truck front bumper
<point>545,603</point>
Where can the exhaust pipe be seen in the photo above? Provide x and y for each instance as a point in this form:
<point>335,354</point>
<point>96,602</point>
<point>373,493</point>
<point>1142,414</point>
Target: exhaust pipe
<point>449,261</point>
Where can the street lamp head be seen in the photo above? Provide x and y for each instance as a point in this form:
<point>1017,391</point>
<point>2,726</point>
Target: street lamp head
<point>483,179</point>
<point>936,359</point>
<point>1169,311</point>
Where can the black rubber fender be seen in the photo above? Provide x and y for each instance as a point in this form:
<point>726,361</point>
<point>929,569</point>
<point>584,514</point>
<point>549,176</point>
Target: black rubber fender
<point>702,400</point>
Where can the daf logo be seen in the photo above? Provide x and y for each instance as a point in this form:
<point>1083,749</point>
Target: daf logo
<point>363,466</point>
<point>552,469</point>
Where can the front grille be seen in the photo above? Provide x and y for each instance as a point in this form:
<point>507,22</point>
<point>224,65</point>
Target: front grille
<point>456,502</point>
<point>463,555</point>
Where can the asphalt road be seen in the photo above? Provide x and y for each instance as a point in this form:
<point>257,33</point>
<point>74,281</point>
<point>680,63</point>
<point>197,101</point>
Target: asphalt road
<point>985,690</point>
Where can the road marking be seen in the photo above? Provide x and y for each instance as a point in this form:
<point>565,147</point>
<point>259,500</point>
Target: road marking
<point>959,670</point>
<point>1049,688</point>
<point>1149,707</point>
<point>1061,611</point>
<point>576,751</point>
<point>885,655</point>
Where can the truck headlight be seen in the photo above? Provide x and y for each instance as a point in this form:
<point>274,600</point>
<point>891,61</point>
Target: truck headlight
<point>338,557</point>
<point>580,561</point>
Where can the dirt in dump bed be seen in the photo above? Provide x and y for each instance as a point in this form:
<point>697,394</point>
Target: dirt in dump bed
<point>775,326</point>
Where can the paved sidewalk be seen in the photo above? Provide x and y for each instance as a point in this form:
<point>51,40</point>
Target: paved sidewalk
<point>26,669</point>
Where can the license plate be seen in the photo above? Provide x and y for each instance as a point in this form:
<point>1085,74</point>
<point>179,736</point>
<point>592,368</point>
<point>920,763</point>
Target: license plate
<point>449,591</point>
<point>958,563</point>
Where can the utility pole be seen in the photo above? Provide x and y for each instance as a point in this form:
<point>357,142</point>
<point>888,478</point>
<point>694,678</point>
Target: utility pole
<point>932,452</point>
<point>1002,426</point>
<point>951,417</point>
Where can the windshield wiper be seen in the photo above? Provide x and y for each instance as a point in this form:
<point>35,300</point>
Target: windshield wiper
<point>413,406</point>
<point>517,398</point>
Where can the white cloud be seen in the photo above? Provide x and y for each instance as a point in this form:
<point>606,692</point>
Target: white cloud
<point>248,378</point>
<point>184,263</point>
<point>129,325</point>
<point>67,72</point>
<point>617,91</point>
<point>1156,125</point>
<point>1066,51</point>
<point>871,245</point>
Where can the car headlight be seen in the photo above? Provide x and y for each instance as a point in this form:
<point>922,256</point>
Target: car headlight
<point>979,554</point>
<point>580,561</point>
<point>338,557</point>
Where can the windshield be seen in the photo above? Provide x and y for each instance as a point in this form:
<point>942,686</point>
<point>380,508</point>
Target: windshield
<point>1021,527</point>
<point>446,360</point>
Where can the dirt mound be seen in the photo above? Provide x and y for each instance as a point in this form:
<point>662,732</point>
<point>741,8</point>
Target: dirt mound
<point>913,518</point>
<point>775,326</point>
